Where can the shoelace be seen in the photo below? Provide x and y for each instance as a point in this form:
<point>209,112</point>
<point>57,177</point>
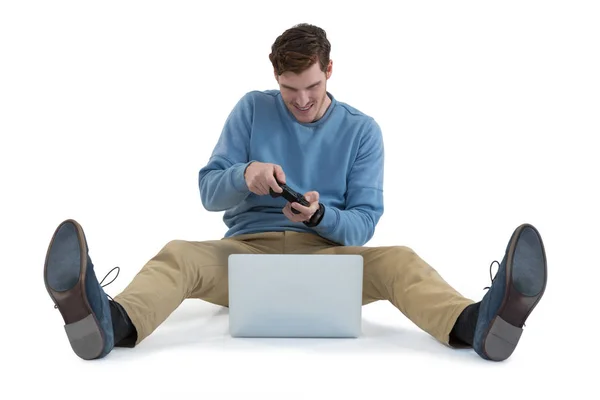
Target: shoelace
<point>106,284</point>
<point>105,276</point>
<point>492,277</point>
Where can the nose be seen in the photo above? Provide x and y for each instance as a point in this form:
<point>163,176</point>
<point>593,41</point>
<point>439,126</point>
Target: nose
<point>302,99</point>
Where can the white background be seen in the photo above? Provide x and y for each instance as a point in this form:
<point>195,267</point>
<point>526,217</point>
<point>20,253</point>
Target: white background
<point>490,115</point>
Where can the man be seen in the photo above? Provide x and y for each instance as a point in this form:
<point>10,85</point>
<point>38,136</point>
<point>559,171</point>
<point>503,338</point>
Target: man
<point>303,136</point>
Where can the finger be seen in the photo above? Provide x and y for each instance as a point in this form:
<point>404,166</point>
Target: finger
<point>254,189</point>
<point>291,216</point>
<point>279,174</point>
<point>305,212</point>
<point>287,211</point>
<point>274,185</point>
<point>300,207</point>
<point>257,188</point>
<point>294,210</point>
<point>264,189</point>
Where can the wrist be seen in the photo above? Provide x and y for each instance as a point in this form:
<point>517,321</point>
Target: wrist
<point>316,218</point>
<point>247,166</point>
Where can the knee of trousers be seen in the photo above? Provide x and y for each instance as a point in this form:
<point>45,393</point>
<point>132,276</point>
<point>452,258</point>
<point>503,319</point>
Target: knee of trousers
<point>175,254</point>
<point>400,253</point>
<point>394,260</point>
<point>173,251</point>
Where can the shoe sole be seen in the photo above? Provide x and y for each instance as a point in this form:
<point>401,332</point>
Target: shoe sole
<point>526,277</point>
<point>64,276</point>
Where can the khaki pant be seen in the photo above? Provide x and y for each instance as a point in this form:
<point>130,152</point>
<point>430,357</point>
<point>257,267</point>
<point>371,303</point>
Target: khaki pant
<point>184,269</point>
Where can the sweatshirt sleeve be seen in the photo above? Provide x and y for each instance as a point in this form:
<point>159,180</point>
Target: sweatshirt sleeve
<point>355,225</point>
<point>221,182</point>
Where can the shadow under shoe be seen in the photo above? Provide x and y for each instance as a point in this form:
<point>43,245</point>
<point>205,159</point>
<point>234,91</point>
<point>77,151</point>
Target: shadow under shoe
<point>515,291</point>
<point>72,284</point>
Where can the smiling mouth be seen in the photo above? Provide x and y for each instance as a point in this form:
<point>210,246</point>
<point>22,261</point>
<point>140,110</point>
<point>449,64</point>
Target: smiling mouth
<point>305,109</point>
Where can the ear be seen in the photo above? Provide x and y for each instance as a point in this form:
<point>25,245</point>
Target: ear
<point>329,69</point>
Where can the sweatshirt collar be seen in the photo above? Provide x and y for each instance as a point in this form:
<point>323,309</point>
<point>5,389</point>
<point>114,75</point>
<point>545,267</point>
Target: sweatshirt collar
<point>309,124</point>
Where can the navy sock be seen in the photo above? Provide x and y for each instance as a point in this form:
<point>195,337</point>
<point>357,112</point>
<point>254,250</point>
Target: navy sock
<point>124,331</point>
<point>464,328</point>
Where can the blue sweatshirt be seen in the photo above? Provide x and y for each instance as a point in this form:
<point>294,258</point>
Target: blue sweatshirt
<point>341,156</point>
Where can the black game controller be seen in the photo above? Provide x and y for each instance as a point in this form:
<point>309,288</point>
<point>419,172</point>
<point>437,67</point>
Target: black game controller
<point>290,195</point>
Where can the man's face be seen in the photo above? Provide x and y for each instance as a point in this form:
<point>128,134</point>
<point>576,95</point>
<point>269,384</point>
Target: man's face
<point>305,94</point>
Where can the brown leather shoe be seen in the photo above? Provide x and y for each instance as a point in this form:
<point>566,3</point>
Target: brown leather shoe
<point>516,290</point>
<point>71,283</point>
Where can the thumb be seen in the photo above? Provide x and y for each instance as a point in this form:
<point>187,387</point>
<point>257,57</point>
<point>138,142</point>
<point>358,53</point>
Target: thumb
<point>279,173</point>
<point>312,197</point>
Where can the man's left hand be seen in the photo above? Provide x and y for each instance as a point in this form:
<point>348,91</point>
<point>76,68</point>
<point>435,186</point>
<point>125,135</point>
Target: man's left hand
<point>305,212</point>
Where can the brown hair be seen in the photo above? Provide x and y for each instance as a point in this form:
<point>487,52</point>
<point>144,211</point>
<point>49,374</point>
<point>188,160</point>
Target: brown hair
<point>298,48</point>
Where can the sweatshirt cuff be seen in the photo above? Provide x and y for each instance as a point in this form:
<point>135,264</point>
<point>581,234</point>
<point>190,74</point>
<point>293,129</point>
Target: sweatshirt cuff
<point>330,220</point>
<point>237,177</point>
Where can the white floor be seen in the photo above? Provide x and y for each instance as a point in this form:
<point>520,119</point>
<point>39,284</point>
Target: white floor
<point>191,354</point>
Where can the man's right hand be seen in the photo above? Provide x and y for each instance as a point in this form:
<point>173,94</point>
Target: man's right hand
<point>261,176</point>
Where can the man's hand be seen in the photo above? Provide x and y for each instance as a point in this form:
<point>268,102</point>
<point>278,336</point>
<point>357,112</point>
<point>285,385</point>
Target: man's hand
<point>305,212</point>
<point>261,176</point>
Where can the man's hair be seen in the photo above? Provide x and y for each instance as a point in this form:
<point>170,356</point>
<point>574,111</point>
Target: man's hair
<point>298,48</point>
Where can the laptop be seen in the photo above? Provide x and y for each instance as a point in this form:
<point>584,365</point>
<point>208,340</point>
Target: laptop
<point>293,295</point>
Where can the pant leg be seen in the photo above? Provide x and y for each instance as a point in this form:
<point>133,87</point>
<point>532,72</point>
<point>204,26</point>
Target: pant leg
<point>399,275</point>
<point>185,269</point>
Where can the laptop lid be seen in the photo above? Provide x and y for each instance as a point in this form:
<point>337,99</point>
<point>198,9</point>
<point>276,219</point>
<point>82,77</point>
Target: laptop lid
<point>292,295</point>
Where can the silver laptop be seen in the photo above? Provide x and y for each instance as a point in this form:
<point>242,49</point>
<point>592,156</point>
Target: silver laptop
<point>288,295</point>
